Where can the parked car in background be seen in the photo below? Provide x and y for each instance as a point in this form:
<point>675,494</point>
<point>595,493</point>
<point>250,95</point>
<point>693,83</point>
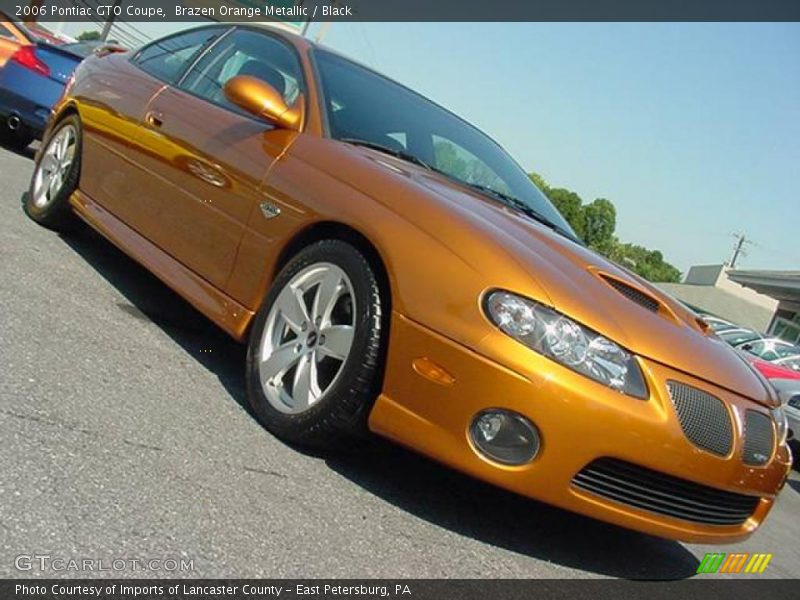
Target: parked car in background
<point>737,337</point>
<point>774,350</point>
<point>12,35</point>
<point>309,205</point>
<point>770,370</point>
<point>789,362</point>
<point>716,324</point>
<point>789,393</point>
<point>31,82</point>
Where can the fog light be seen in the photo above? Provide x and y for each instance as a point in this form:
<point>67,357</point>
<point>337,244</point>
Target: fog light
<point>504,436</point>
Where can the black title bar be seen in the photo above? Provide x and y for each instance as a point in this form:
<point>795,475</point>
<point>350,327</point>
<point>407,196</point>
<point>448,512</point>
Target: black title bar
<point>385,589</point>
<point>401,10</point>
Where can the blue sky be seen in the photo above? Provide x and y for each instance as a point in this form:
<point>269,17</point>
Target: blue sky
<point>692,130</point>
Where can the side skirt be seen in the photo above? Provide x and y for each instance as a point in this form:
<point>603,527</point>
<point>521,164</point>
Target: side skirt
<point>223,310</point>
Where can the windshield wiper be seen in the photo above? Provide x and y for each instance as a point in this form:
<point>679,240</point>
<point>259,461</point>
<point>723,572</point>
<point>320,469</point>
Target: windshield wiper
<point>401,154</point>
<point>522,207</point>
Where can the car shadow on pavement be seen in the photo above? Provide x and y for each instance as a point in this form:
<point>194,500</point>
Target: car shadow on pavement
<point>150,300</point>
<point>27,152</point>
<point>493,516</point>
<point>408,481</point>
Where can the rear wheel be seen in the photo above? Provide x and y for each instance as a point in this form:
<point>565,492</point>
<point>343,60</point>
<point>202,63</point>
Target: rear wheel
<point>55,177</point>
<point>314,361</point>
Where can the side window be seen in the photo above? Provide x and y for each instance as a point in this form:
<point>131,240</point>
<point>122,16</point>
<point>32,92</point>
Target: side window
<point>167,58</point>
<point>245,52</point>
<point>462,164</point>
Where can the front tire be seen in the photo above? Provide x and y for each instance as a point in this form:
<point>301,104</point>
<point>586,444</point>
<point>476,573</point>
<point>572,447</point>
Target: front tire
<point>55,177</point>
<point>315,357</point>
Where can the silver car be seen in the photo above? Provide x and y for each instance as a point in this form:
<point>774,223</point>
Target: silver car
<point>789,392</point>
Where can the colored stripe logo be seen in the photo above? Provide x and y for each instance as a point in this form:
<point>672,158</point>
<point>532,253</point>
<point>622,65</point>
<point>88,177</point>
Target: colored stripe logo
<point>743,562</point>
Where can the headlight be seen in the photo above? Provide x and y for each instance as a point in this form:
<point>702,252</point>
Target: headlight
<point>563,340</point>
<point>781,424</point>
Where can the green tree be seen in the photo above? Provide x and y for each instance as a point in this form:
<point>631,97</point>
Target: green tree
<point>539,181</point>
<point>596,222</point>
<point>650,264</point>
<point>599,223</point>
<point>89,36</point>
<point>570,205</point>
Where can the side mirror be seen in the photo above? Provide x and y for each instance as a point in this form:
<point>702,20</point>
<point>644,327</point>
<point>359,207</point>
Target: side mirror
<point>262,100</point>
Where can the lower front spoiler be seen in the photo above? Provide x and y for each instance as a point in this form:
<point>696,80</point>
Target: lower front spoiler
<point>579,422</point>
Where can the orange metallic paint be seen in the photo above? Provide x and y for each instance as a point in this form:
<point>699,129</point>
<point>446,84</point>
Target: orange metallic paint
<point>262,100</point>
<point>177,183</point>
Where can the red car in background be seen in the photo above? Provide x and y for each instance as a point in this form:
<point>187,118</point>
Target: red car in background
<point>771,370</point>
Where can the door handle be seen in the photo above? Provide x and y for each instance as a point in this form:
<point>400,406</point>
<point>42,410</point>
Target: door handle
<point>154,119</point>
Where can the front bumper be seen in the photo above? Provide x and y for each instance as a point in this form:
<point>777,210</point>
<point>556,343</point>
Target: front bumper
<point>579,420</point>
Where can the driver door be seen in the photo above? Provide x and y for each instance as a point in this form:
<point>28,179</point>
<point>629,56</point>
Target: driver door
<point>208,157</point>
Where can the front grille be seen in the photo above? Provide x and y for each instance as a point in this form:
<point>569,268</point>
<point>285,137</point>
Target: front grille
<point>703,418</point>
<point>634,294</point>
<point>663,494</point>
<point>758,438</point>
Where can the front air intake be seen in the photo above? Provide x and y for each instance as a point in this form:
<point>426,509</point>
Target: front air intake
<point>704,419</point>
<point>633,294</point>
<point>656,492</point>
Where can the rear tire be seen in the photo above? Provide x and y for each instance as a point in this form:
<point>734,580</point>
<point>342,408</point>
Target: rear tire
<point>55,177</point>
<point>315,356</point>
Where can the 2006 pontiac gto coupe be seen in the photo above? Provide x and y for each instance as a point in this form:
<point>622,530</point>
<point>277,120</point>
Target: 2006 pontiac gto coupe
<point>393,269</point>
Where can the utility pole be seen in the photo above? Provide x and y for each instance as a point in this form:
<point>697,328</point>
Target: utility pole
<point>107,27</point>
<point>738,249</point>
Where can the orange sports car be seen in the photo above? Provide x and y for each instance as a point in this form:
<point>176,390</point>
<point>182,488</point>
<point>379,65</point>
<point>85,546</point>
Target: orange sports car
<point>393,270</point>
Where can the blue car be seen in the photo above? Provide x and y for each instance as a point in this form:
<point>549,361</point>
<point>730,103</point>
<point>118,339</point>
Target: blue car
<point>31,82</point>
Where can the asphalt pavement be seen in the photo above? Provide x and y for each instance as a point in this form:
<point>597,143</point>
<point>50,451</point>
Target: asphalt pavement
<point>124,436</point>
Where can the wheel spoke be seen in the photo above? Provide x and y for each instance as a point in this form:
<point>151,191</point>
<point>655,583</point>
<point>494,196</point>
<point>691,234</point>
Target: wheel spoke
<point>338,340</point>
<point>54,184</point>
<point>292,306</point>
<point>280,361</point>
<point>306,387</point>
<point>49,163</point>
<point>63,143</point>
<point>69,156</point>
<point>328,292</point>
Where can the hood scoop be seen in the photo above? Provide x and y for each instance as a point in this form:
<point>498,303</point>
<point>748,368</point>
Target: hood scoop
<point>633,294</point>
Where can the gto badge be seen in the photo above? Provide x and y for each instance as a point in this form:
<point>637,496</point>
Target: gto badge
<point>269,210</point>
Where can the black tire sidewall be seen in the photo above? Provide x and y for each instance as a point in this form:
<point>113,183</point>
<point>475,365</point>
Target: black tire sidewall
<point>344,409</point>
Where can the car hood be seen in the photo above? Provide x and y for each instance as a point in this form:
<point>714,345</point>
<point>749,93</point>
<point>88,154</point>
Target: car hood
<point>603,296</point>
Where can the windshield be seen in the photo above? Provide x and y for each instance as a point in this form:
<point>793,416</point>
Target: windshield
<point>364,106</point>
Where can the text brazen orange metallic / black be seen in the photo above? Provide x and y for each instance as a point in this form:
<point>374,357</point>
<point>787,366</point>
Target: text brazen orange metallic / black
<point>393,269</point>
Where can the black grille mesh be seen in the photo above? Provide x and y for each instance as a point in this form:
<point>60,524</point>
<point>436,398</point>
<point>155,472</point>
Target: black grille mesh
<point>758,438</point>
<point>631,293</point>
<point>703,417</point>
<point>664,494</point>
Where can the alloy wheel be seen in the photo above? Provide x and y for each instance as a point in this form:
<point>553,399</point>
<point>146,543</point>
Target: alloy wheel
<point>307,338</point>
<point>54,166</point>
